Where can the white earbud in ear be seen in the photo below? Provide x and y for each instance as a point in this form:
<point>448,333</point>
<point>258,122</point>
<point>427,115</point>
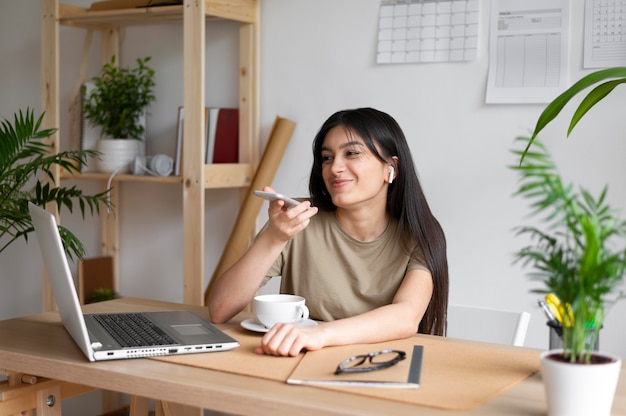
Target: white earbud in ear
<point>392,171</point>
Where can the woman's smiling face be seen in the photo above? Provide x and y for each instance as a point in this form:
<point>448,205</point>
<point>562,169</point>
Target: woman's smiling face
<point>351,173</point>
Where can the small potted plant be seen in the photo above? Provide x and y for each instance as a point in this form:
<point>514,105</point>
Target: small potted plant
<point>580,256</point>
<point>24,158</point>
<point>116,104</point>
<point>593,284</point>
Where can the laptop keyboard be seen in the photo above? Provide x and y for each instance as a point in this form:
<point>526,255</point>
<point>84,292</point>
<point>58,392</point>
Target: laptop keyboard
<point>133,330</point>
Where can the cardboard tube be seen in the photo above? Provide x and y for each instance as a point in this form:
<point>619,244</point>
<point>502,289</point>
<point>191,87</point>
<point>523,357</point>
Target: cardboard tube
<point>246,220</point>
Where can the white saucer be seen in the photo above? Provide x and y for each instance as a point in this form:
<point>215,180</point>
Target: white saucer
<point>256,326</point>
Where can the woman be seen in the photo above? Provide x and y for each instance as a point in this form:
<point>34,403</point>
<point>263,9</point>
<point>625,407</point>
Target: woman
<point>365,250</point>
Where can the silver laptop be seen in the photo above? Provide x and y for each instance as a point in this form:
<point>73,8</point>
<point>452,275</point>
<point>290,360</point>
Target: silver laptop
<point>109,336</point>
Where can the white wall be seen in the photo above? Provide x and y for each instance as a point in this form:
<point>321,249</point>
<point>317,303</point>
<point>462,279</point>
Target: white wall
<point>318,57</point>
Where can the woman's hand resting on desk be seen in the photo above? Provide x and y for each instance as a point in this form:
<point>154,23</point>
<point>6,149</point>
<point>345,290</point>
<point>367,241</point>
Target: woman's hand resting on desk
<point>290,340</point>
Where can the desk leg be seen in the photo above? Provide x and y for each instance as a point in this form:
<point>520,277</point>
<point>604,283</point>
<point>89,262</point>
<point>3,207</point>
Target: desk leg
<point>162,409</point>
<point>49,401</point>
<point>139,406</point>
<point>21,393</point>
<point>15,379</point>
<point>171,409</point>
<point>112,401</point>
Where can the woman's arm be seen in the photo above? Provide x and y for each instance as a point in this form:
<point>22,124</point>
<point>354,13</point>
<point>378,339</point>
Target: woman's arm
<point>236,286</point>
<point>398,320</point>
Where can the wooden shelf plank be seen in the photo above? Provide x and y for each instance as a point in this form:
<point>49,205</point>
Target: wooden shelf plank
<point>121,177</point>
<point>222,175</point>
<point>243,11</point>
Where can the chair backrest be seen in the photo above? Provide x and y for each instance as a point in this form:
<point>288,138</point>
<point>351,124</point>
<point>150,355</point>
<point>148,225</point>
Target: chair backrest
<point>487,325</point>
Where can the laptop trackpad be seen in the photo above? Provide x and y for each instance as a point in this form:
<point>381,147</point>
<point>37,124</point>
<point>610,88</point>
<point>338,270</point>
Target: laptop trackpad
<point>193,329</point>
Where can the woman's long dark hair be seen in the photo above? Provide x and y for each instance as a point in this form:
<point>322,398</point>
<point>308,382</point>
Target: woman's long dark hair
<point>405,199</point>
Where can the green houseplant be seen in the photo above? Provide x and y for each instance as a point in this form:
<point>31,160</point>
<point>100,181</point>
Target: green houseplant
<point>580,255</point>
<point>601,83</point>
<point>116,104</point>
<point>24,159</point>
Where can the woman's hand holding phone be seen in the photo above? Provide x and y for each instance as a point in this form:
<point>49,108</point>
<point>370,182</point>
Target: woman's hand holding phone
<point>273,196</point>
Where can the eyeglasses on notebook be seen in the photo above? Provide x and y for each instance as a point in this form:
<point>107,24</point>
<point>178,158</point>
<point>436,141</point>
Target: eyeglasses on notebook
<point>373,361</point>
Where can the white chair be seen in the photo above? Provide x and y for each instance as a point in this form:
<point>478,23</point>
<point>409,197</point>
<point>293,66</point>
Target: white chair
<point>487,325</point>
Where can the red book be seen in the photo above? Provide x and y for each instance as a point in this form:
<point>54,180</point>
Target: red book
<point>226,143</point>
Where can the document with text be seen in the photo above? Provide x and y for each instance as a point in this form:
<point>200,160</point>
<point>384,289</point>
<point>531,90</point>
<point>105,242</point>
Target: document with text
<point>529,51</point>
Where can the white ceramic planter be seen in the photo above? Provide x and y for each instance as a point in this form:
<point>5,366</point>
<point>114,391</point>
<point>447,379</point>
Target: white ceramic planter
<point>579,389</point>
<point>116,154</point>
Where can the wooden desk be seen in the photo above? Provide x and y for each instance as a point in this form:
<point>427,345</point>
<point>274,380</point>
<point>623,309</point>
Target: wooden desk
<point>40,345</point>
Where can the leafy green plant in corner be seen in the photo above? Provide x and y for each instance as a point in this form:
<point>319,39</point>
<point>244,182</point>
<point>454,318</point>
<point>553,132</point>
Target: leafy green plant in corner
<point>580,254</point>
<point>26,159</point>
<point>120,97</point>
<point>605,81</point>
<point>101,294</point>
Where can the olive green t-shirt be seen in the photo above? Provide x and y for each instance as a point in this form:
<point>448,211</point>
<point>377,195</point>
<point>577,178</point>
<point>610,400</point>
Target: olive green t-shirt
<point>340,276</point>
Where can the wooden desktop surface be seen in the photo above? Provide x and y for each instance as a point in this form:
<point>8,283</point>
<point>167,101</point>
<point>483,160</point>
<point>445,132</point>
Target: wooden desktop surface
<point>39,345</point>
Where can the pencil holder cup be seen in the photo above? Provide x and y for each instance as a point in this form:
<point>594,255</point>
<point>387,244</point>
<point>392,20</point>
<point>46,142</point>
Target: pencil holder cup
<point>556,337</point>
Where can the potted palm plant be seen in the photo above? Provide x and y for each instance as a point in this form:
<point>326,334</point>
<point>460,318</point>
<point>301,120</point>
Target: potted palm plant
<point>117,104</point>
<point>580,256</point>
<point>588,281</point>
<point>24,159</point>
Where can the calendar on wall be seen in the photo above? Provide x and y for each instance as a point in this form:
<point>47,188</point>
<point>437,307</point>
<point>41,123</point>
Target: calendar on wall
<point>605,33</point>
<point>413,31</point>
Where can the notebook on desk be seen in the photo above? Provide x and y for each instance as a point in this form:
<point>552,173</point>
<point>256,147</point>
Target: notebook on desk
<point>109,336</point>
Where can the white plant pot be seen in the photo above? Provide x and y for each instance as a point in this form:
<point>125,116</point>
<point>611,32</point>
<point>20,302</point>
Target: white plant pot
<point>579,389</point>
<point>116,154</point>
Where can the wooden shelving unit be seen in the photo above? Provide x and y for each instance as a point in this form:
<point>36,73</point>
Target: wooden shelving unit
<point>196,177</point>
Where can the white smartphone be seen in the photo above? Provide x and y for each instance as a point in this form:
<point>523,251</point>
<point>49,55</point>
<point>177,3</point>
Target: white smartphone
<point>270,196</point>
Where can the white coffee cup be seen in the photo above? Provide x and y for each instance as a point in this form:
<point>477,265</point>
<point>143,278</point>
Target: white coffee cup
<point>271,309</point>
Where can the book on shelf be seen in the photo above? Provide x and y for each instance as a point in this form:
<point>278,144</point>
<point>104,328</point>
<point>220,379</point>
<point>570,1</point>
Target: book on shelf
<point>222,145</point>
<point>210,138</point>
<point>178,156</point>
<point>318,368</point>
<point>179,141</point>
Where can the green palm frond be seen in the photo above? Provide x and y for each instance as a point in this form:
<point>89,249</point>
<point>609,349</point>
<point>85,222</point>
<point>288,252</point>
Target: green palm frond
<point>25,161</point>
<point>615,76</point>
